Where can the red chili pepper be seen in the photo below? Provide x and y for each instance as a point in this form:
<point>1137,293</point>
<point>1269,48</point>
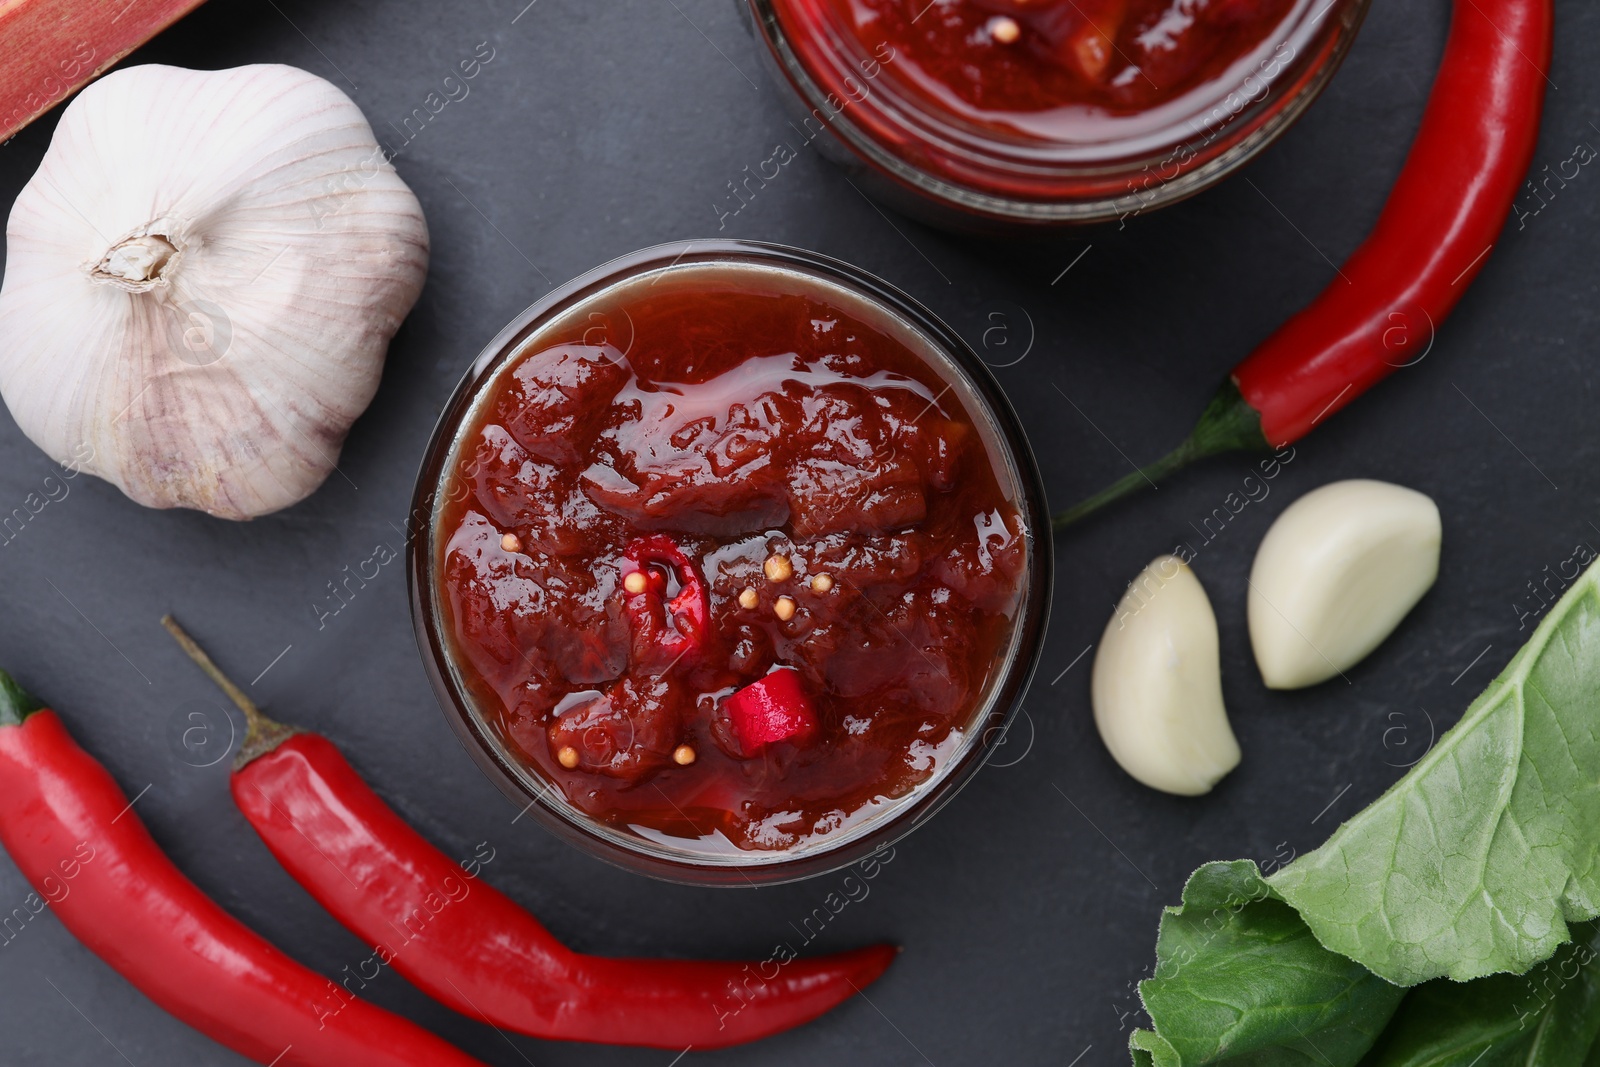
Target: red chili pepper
<point>471,947</point>
<point>664,633</point>
<point>65,823</point>
<point>774,708</point>
<point>1444,214</point>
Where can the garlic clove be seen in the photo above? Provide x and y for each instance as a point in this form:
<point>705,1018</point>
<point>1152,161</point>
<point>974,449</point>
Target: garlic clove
<point>1334,576</point>
<point>201,282</point>
<point>1157,684</point>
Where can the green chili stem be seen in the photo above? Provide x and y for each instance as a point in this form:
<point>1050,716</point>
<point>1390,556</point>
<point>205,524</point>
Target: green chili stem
<point>1177,459</point>
<point>1228,424</point>
<point>262,734</point>
<point>16,703</point>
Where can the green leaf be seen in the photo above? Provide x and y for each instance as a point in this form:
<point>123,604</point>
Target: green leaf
<point>1240,980</point>
<point>1475,862</point>
<point>1548,1017</point>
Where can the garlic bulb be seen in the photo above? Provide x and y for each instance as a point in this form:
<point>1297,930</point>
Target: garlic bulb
<point>1334,576</point>
<point>201,282</point>
<point>1157,684</point>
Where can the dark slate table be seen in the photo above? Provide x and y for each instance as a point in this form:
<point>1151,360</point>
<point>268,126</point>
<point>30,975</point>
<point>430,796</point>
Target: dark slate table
<point>1028,908</point>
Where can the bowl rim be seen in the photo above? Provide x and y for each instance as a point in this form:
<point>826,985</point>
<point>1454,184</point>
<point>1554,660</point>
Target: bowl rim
<point>545,804</point>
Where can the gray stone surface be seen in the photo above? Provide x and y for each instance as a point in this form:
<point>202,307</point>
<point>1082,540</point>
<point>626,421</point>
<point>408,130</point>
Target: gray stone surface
<point>1028,907</point>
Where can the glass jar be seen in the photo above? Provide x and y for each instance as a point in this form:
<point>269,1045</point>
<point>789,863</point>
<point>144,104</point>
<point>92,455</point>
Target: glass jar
<point>912,143</point>
<point>595,309</point>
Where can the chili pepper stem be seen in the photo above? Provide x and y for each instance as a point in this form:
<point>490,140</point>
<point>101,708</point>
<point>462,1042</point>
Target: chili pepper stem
<point>16,703</point>
<point>1177,459</point>
<point>262,734</point>
<point>1228,424</point>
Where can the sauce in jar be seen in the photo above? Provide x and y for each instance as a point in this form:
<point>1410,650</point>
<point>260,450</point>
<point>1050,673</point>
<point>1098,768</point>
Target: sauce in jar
<point>717,483</point>
<point>1024,65</point>
<point>997,115</point>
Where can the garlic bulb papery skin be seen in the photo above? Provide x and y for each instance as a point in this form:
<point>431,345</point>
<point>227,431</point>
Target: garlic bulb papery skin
<point>1334,576</point>
<point>1157,684</point>
<point>201,282</point>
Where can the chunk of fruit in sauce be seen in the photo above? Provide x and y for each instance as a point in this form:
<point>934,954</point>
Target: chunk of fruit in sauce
<point>764,482</point>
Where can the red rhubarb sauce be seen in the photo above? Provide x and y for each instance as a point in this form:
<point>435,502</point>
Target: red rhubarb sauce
<point>1043,67</point>
<point>613,498</point>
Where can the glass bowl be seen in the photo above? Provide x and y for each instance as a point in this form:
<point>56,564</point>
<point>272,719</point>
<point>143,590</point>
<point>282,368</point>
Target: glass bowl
<point>701,861</point>
<point>947,171</point>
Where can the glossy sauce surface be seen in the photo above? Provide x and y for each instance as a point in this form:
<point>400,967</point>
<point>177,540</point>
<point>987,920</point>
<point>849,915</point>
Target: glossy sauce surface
<point>1010,63</point>
<point>744,414</point>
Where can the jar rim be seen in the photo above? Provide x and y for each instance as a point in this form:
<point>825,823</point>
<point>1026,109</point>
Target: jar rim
<point>522,784</point>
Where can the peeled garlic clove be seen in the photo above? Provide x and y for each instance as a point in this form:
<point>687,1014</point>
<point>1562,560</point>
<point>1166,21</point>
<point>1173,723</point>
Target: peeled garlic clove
<point>201,281</point>
<point>1157,685</point>
<point>1335,575</point>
